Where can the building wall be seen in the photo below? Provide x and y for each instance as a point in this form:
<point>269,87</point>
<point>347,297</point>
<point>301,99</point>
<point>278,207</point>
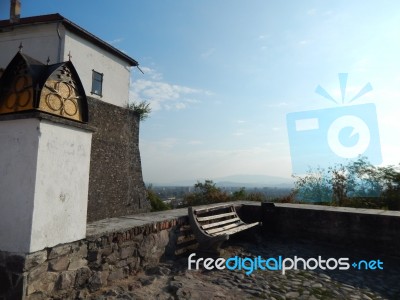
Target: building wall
<point>44,175</point>
<point>61,189</point>
<point>116,186</point>
<point>54,41</point>
<point>33,39</point>
<point>86,57</point>
<point>17,176</point>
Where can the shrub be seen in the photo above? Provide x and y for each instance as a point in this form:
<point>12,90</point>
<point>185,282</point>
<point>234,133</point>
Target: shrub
<point>156,203</point>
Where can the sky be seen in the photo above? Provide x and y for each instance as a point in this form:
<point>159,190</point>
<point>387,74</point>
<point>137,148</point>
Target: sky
<point>223,78</point>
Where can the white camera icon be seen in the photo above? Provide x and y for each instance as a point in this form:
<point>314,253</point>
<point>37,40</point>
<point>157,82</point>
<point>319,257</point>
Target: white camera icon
<point>321,138</point>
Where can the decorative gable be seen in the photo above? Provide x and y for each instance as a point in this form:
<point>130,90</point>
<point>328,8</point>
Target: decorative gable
<point>28,84</point>
<point>16,89</point>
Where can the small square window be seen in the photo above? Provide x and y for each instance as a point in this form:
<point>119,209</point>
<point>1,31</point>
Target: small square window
<point>97,83</point>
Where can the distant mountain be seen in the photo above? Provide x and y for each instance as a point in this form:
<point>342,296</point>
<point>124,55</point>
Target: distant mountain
<point>255,181</point>
<point>239,181</point>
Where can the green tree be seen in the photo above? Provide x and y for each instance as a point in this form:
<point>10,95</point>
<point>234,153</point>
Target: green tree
<point>314,186</point>
<point>358,179</point>
<point>206,193</point>
<point>156,203</point>
<point>241,194</point>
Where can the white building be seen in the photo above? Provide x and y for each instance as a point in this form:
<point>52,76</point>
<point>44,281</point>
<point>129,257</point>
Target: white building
<point>103,69</point>
<point>61,161</point>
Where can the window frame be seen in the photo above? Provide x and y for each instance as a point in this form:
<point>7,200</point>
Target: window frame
<point>96,82</point>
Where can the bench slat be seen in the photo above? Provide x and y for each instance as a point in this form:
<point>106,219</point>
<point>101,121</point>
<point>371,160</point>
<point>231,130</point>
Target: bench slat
<point>200,219</point>
<point>212,208</point>
<point>236,229</point>
<point>216,224</point>
<point>224,228</point>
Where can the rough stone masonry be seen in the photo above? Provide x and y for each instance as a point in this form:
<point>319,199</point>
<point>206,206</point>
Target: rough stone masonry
<point>63,271</point>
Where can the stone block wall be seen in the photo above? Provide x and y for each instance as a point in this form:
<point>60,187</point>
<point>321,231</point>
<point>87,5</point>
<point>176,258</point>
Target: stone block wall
<point>73,270</point>
<point>372,229</point>
<point>116,186</point>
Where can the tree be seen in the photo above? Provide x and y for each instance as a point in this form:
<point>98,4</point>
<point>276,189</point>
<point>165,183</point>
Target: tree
<point>314,186</point>
<point>241,194</point>
<point>206,193</point>
<point>357,179</point>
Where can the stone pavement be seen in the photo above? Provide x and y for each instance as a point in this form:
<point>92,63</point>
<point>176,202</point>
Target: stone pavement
<point>172,279</point>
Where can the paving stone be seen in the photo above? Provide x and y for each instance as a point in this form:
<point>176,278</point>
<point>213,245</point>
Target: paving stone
<point>292,295</point>
<point>171,280</point>
<point>158,270</point>
<point>147,280</point>
<point>116,274</point>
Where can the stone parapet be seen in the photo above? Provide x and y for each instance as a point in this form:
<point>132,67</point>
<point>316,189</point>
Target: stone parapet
<point>75,269</point>
<point>372,229</point>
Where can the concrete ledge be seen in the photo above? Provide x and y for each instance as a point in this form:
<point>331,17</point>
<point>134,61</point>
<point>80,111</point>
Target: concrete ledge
<point>107,226</point>
<point>339,209</point>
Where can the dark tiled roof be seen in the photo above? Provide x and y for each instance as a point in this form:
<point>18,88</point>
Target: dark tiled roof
<point>54,18</point>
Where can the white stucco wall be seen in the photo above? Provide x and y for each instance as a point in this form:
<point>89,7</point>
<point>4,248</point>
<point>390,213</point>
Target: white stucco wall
<point>44,178</point>
<point>39,42</point>
<point>62,181</point>
<point>18,152</point>
<point>86,57</point>
<point>55,41</point>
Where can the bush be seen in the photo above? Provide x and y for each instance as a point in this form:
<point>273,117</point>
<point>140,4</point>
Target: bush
<point>156,203</point>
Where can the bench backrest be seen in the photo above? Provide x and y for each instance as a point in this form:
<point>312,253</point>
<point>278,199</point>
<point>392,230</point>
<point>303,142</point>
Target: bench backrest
<point>217,219</point>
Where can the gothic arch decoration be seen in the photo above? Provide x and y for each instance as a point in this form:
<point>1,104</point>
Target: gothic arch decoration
<point>28,84</point>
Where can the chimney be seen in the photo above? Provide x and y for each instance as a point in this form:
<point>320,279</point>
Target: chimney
<point>15,11</point>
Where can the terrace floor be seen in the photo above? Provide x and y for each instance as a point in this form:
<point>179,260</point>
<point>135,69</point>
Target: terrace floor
<point>173,280</point>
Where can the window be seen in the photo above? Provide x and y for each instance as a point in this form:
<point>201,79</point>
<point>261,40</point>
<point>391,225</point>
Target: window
<point>97,83</point>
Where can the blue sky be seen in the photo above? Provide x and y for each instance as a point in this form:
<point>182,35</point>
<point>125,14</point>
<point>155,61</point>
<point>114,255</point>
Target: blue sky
<point>222,76</point>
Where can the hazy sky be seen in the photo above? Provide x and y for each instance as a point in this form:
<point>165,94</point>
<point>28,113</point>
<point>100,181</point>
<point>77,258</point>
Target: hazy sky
<point>222,76</point>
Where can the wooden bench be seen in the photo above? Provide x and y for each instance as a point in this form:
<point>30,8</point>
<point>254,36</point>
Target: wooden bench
<point>212,225</point>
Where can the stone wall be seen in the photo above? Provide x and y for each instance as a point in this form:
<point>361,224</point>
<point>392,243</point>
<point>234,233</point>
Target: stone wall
<point>119,247</point>
<point>116,186</point>
<point>372,229</point>
<point>73,270</point>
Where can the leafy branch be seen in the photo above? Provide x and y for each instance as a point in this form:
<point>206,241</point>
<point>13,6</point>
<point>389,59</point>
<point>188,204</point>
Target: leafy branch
<point>142,108</point>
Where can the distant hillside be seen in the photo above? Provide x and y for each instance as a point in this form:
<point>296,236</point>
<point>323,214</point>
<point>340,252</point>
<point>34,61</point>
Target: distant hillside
<point>239,181</point>
<point>255,181</point>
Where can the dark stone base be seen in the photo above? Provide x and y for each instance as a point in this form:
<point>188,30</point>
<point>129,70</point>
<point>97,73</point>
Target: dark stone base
<point>78,268</point>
